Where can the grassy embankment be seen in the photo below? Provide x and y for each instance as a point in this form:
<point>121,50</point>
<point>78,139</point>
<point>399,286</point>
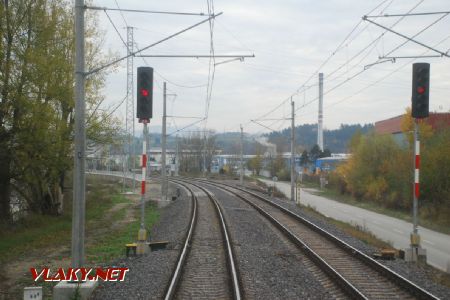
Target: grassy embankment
<point>38,241</point>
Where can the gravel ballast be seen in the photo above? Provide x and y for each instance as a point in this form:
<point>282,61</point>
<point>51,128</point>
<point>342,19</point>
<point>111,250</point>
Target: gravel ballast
<point>269,265</point>
<point>420,275</point>
<point>149,275</point>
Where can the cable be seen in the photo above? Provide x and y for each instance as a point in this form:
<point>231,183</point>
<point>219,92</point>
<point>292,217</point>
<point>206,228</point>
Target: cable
<point>374,42</point>
<point>432,24</point>
<point>360,72</point>
<point>178,84</point>
<point>371,84</point>
<point>121,13</point>
<point>115,28</point>
<point>114,110</point>
<point>384,77</point>
<point>212,61</point>
<point>338,48</point>
<point>231,33</point>
<point>187,126</point>
<point>165,79</point>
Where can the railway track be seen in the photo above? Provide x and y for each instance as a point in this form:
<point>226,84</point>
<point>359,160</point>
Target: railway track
<point>360,276</point>
<point>205,268</point>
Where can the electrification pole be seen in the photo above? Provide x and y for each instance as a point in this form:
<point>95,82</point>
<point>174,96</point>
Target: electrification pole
<point>204,154</point>
<point>79,180</point>
<point>177,158</point>
<point>242,157</point>
<point>129,122</point>
<point>292,151</point>
<point>320,121</point>
<point>163,150</point>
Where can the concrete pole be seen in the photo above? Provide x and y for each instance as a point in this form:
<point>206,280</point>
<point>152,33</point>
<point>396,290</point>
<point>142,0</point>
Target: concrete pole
<point>320,121</point>
<point>292,151</point>
<point>79,180</point>
<point>163,145</point>
<point>242,157</point>
<point>204,154</point>
<point>177,157</point>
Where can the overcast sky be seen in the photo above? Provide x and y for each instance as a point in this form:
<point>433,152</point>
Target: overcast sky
<point>290,40</point>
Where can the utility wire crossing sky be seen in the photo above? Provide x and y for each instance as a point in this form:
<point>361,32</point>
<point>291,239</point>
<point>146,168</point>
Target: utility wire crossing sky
<point>366,65</point>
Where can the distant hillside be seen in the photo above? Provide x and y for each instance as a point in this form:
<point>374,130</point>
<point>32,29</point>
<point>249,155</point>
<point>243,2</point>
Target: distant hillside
<point>306,137</point>
<point>230,143</point>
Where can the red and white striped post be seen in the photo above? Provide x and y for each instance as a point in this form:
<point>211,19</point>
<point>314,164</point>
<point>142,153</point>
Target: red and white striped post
<point>144,172</point>
<point>416,169</point>
<point>415,237</point>
<point>142,234</point>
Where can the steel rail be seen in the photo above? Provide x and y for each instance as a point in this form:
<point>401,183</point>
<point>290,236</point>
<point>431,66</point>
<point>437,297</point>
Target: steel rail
<point>232,269</point>
<point>405,283</point>
<point>231,257</point>
<point>171,289</point>
<point>348,288</point>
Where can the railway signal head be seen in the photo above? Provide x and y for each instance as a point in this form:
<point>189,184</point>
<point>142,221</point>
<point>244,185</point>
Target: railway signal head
<point>144,107</point>
<point>420,90</point>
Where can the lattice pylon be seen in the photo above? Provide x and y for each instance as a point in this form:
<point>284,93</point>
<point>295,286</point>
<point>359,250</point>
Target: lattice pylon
<point>130,115</point>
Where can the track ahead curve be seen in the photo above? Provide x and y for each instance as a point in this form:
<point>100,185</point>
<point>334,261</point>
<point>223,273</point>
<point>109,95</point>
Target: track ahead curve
<point>206,267</point>
<point>359,275</point>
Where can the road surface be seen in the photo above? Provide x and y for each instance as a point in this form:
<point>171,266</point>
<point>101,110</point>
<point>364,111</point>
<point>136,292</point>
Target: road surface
<point>384,227</point>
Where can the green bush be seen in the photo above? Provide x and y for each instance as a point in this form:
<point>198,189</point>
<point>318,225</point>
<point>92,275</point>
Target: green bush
<point>337,182</point>
<point>434,177</point>
<point>284,175</point>
<point>379,171</point>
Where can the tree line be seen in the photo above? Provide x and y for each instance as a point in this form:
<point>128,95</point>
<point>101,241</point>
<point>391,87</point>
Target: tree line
<point>37,103</point>
<point>277,166</point>
<point>335,140</point>
<point>196,152</point>
<point>380,170</point>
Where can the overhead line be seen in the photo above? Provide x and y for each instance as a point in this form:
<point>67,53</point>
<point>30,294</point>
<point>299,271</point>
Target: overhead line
<point>180,85</point>
<point>262,125</point>
<point>323,63</point>
<point>386,76</point>
<point>371,43</point>
<point>432,24</point>
<point>115,28</point>
<point>377,81</point>
<point>195,56</point>
<point>187,126</point>
<point>407,37</point>
<point>149,46</point>
<point>121,13</point>
<point>145,11</point>
<point>164,78</point>
<point>409,14</point>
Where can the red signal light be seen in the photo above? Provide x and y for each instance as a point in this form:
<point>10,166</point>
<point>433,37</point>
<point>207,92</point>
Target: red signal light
<point>144,92</point>
<point>420,90</point>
